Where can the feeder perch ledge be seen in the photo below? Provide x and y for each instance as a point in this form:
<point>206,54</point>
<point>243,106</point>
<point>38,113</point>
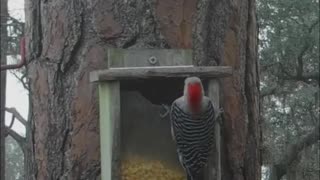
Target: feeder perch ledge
<point>160,72</point>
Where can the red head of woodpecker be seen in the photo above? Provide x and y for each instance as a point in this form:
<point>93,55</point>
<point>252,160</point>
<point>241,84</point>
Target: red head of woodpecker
<point>193,92</point>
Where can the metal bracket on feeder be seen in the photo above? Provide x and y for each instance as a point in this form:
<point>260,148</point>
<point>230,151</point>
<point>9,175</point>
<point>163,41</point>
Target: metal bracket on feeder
<point>153,60</point>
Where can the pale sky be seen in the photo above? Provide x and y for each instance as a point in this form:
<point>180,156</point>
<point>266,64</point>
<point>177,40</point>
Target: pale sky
<point>16,95</point>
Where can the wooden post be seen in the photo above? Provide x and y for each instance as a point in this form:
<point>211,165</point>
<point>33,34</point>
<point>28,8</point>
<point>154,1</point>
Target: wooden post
<point>214,165</point>
<point>109,97</point>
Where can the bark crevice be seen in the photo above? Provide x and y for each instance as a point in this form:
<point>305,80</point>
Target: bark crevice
<point>209,32</point>
<point>252,157</point>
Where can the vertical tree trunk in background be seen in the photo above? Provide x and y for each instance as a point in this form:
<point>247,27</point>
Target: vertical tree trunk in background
<point>29,163</point>
<point>3,38</point>
<point>68,39</point>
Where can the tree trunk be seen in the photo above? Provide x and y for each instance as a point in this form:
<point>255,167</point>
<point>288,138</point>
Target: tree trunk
<point>226,34</point>
<point>3,37</point>
<point>29,161</point>
<point>68,39</point>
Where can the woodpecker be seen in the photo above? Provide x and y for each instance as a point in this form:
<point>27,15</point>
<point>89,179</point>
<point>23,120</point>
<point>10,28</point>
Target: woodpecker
<point>192,127</point>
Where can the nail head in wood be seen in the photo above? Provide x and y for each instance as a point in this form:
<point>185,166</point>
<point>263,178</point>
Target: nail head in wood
<point>153,60</point>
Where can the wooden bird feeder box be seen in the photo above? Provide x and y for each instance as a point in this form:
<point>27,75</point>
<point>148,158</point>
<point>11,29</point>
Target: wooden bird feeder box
<point>132,92</point>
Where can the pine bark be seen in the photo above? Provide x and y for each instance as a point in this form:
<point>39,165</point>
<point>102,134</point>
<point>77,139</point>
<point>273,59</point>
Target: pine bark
<point>68,39</point>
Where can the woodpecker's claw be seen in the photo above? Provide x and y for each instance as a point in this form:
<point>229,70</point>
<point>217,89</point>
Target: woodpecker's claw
<point>221,111</point>
<point>167,111</point>
<point>218,116</point>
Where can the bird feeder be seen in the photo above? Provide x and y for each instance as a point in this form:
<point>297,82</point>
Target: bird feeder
<point>134,95</point>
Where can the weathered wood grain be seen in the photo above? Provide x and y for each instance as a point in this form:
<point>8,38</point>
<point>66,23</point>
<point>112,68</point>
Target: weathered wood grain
<point>109,94</point>
<point>214,165</point>
<point>160,72</point>
<point>141,57</point>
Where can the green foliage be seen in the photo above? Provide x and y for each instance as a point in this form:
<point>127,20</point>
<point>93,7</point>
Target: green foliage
<point>289,58</point>
<point>15,30</point>
<point>289,30</point>
<point>14,160</point>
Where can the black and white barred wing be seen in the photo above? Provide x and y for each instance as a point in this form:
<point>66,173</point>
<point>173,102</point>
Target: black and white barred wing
<point>193,135</point>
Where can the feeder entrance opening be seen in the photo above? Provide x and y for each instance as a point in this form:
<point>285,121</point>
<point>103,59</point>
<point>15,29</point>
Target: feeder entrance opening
<point>145,136</point>
<point>159,90</point>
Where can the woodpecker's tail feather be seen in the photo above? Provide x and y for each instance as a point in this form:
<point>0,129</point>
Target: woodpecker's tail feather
<point>199,176</point>
<point>189,177</point>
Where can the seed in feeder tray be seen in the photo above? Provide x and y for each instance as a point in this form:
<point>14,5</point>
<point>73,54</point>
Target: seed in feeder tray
<point>141,169</point>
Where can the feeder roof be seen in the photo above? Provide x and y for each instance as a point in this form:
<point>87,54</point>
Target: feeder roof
<point>131,73</point>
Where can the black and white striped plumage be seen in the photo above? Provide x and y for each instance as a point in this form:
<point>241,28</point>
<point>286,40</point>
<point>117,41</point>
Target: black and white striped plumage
<point>193,133</point>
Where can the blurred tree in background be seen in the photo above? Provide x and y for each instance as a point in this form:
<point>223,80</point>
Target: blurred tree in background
<point>14,160</point>
<point>289,59</point>
<point>12,29</point>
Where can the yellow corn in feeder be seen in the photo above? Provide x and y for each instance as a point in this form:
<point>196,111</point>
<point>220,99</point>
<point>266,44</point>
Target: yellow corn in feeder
<point>137,168</point>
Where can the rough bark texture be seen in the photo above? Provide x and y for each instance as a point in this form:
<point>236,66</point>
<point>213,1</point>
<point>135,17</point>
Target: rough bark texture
<point>68,39</point>
<point>226,34</point>
<point>29,161</point>
<point>4,13</point>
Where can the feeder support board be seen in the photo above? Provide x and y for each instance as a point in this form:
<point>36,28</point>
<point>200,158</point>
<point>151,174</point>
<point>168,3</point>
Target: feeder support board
<point>153,64</point>
<point>109,99</point>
